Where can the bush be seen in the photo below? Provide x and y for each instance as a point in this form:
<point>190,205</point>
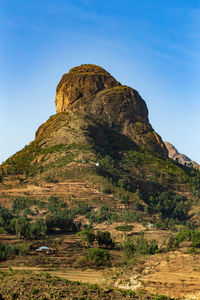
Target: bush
<point>50,179</point>
<point>1,178</point>
<point>124,228</point>
<point>170,243</point>
<point>162,297</point>
<point>138,206</point>
<point>61,219</point>
<point>153,247</point>
<point>104,214</point>
<point>54,204</point>
<point>5,218</point>
<point>80,263</point>
<point>128,248</point>
<point>6,250</point>
<point>2,230</point>
<point>188,235</point>
<point>21,203</point>
<point>87,236</point>
<point>97,256</point>
<point>104,238</point>
<point>82,209</point>
<point>141,246</point>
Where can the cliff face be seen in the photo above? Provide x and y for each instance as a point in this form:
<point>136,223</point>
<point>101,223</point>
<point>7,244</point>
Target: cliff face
<point>182,158</point>
<point>91,90</point>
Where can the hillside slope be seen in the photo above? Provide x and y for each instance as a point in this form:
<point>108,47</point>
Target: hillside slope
<point>97,188</point>
<point>101,136</point>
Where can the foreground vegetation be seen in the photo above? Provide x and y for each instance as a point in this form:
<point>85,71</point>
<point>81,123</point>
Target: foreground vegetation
<point>144,207</point>
<point>43,286</point>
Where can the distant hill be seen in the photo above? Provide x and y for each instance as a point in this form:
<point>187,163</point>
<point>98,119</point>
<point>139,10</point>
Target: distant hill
<point>182,158</point>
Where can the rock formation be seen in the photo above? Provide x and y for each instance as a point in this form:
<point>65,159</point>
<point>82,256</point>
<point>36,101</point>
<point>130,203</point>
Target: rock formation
<point>90,90</point>
<point>182,158</point>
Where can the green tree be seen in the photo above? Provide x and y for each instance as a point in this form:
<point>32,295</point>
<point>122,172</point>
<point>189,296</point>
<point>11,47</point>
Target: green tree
<point>37,229</point>
<point>98,256</point>
<point>128,248</point>
<point>87,236</point>
<point>141,245</point>
<point>21,226</point>
<point>104,238</point>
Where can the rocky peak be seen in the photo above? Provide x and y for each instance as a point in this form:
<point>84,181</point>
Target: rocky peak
<point>182,158</point>
<point>91,90</point>
<point>172,151</point>
<point>79,86</point>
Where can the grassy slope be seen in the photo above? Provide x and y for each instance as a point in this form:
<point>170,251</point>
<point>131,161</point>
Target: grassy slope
<point>68,146</point>
<point>67,141</point>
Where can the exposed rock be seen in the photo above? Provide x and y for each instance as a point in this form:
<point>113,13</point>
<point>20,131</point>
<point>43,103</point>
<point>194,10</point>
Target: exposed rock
<point>91,90</point>
<point>182,158</point>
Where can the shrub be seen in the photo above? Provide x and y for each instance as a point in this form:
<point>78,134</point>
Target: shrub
<point>50,179</point>
<point>80,263</point>
<point>104,238</point>
<point>142,246</point>
<point>82,208</point>
<point>5,218</point>
<point>188,235</point>
<point>55,205</point>
<point>1,178</point>
<point>128,248</point>
<point>107,190</point>
<point>124,227</point>
<point>97,256</point>
<point>21,203</point>
<point>61,219</point>
<point>2,230</point>
<point>162,297</point>
<point>6,250</point>
<point>153,247</point>
<point>138,206</point>
<point>170,243</point>
<point>87,236</point>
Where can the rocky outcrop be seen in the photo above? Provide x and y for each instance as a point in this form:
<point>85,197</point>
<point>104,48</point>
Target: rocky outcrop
<point>91,90</point>
<point>182,158</point>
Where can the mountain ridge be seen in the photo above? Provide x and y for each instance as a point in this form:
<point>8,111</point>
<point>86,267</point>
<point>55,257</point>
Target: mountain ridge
<point>182,158</point>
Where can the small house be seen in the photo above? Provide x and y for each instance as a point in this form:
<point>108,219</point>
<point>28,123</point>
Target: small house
<point>45,250</point>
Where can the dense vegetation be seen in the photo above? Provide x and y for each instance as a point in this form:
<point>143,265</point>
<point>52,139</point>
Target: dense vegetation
<point>140,246</point>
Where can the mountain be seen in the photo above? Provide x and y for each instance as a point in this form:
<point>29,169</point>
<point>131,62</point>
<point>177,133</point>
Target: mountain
<point>89,89</point>
<point>182,158</point>
<point>100,136</point>
<point>97,168</point>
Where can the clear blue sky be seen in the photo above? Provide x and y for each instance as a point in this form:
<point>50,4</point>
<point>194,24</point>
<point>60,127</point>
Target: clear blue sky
<point>150,45</point>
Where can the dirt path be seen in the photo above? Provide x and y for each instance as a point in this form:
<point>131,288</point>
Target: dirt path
<point>90,276</point>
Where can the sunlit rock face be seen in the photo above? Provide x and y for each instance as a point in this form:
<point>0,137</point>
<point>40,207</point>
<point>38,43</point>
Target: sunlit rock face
<point>91,90</point>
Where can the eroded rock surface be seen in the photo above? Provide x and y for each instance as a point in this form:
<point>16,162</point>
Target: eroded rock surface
<point>182,158</point>
<point>91,90</point>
